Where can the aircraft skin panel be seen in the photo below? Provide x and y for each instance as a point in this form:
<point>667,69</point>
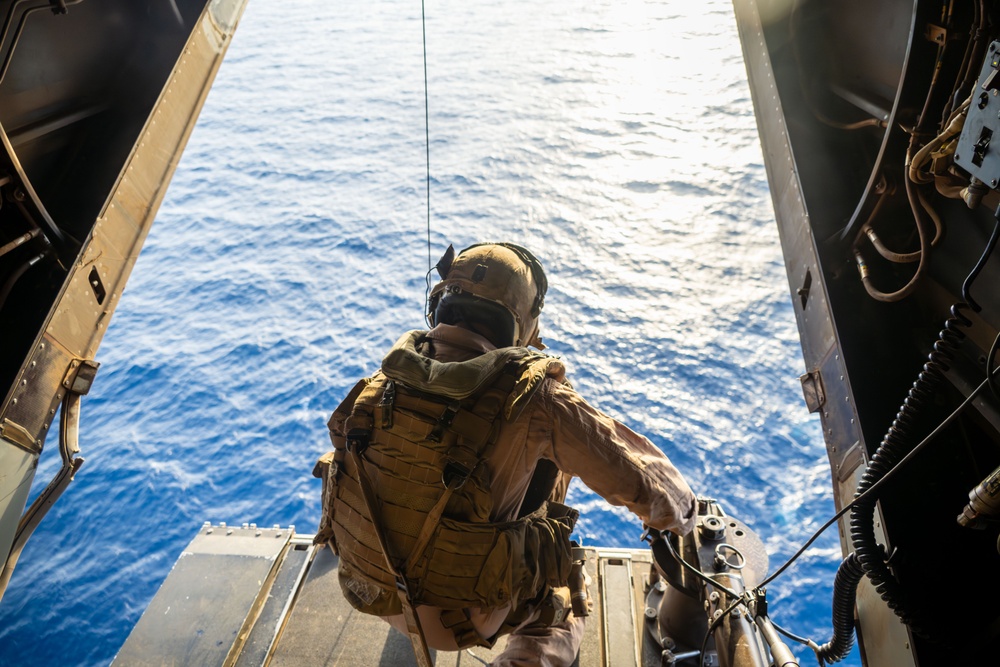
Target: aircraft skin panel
<point>17,470</point>
<point>821,348</point>
<point>882,216</point>
<point>72,330</point>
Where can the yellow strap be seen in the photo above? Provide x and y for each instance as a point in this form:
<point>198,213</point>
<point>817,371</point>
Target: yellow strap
<point>414,631</point>
<point>424,538</point>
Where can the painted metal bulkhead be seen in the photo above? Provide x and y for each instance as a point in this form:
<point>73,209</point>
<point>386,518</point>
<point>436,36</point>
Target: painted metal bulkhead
<point>97,101</point>
<point>845,93</point>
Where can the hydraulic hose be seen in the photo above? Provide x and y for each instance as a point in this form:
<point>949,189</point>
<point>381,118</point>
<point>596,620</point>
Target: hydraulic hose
<point>923,257</point>
<point>845,587</point>
<point>19,241</point>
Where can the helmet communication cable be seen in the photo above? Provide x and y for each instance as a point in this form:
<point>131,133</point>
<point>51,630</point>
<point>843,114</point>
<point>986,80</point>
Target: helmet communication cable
<point>427,153</point>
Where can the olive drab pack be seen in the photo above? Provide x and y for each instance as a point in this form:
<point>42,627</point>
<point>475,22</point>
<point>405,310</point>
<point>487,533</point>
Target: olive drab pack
<point>406,497</point>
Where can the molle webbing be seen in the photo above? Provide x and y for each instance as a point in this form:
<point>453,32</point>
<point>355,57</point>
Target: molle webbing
<point>428,462</point>
<point>424,456</point>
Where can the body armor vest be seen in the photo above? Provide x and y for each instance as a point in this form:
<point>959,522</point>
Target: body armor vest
<point>411,442</point>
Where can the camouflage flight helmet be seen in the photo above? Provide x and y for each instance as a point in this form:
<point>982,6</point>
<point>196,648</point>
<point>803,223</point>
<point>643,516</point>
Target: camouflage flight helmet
<point>497,288</point>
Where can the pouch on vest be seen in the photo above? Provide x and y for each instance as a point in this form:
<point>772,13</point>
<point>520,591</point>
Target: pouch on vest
<point>327,468</point>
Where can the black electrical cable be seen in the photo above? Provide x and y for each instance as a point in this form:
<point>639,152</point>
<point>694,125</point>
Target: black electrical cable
<point>990,360</point>
<point>878,485</point>
<point>791,635</point>
<point>845,587</point>
<point>963,70</point>
<point>990,245</point>
<point>847,508</point>
<point>698,573</point>
<point>711,628</point>
<point>701,575</point>
<point>895,445</point>
<point>427,150</point>
<point>16,274</point>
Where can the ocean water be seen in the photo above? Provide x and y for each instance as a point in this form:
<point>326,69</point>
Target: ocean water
<point>615,139</point>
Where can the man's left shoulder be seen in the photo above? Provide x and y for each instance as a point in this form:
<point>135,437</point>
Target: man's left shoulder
<point>537,372</point>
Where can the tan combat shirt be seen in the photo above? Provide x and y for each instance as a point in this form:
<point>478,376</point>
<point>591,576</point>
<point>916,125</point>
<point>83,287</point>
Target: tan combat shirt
<point>617,463</point>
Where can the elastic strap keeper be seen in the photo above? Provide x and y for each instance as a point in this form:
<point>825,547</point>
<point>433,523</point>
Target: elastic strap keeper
<point>386,403</point>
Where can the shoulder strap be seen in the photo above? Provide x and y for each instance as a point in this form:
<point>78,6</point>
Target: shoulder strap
<point>357,440</point>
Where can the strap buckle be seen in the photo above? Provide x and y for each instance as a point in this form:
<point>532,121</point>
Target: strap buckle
<point>444,421</point>
<point>455,474</point>
<point>358,440</point>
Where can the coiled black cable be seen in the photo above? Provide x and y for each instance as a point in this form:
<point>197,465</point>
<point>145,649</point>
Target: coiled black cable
<point>897,443</point>
<point>845,587</point>
<point>894,446</point>
<point>967,285</point>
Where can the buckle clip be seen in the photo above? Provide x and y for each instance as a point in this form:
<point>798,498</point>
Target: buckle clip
<point>455,474</point>
<point>358,440</point>
<point>444,421</point>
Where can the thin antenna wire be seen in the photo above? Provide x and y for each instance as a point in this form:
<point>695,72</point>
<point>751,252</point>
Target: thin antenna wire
<point>427,147</point>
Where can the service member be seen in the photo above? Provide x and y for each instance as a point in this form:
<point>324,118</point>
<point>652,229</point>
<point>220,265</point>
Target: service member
<point>443,493</point>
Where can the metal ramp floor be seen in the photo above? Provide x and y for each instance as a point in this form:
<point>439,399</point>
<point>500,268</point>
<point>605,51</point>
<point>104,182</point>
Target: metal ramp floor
<point>246,596</point>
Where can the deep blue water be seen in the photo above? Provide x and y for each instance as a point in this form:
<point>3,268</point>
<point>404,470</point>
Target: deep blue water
<point>616,139</point>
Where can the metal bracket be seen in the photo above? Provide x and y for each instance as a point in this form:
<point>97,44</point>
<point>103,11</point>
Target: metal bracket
<point>80,376</point>
<point>812,390</point>
<point>18,435</point>
<point>936,34</point>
